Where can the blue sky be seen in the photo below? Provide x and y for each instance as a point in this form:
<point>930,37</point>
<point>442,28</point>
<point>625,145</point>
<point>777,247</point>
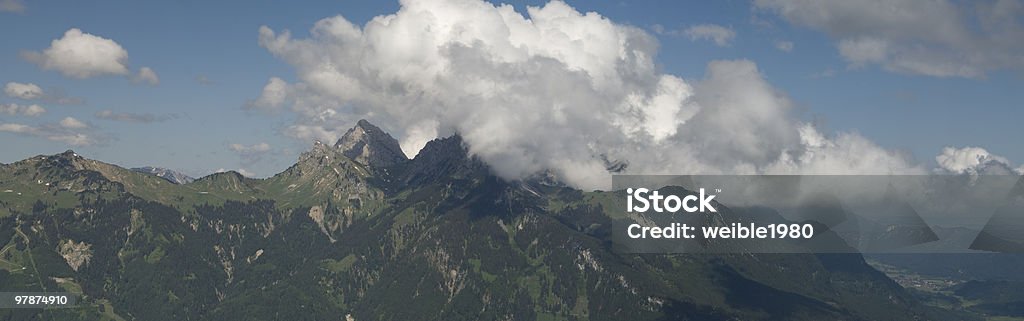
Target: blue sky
<point>210,64</point>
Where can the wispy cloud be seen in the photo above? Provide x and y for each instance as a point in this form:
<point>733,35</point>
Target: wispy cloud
<point>72,123</point>
<point>250,153</point>
<point>827,73</point>
<point>69,131</point>
<point>721,36</point>
<point>132,117</point>
<point>205,80</point>
<point>23,110</point>
<point>146,76</point>
<point>239,170</point>
<point>273,96</point>
<point>938,38</point>
<point>786,46</point>
<point>255,148</point>
<point>23,91</point>
<point>30,91</point>
<point>15,6</point>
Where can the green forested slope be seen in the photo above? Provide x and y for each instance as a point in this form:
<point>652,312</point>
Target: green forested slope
<point>436,238</point>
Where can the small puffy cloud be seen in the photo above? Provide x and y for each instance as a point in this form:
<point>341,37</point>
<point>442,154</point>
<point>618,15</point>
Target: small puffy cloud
<point>33,110</point>
<point>73,139</point>
<point>204,80</point>
<point>30,91</point>
<point>660,29</point>
<point>786,46</point>
<point>72,123</point>
<point>23,91</point>
<point>15,128</point>
<point>255,148</point>
<point>827,73</point>
<point>57,96</point>
<point>721,36</point>
<point>861,51</point>
<point>54,132</point>
<point>327,134</point>
<point>939,38</point>
<point>82,55</point>
<point>15,6</point>
<point>239,170</point>
<point>250,153</point>
<point>23,110</point>
<point>974,160</point>
<point>553,89</point>
<point>146,76</point>
<point>132,117</point>
<point>273,96</point>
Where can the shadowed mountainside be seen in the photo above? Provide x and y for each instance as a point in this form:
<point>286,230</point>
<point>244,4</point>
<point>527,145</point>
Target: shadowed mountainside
<point>358,230</point>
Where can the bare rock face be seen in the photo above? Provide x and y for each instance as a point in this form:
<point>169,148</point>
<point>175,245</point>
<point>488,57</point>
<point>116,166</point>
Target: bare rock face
<point>170,175</point>
<point>76,254</point>
<point>369,145</point>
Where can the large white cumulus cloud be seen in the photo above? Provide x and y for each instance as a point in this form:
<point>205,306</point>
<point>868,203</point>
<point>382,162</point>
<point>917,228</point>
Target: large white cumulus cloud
<point>552,89</point>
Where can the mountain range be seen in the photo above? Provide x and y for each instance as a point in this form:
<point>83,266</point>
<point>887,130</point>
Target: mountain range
<point>358,231</point>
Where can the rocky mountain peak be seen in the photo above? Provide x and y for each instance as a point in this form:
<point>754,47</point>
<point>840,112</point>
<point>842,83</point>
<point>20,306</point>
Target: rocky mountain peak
<point>320,149</point>
<point>369,145</point>
<point>317,158</point>
<point>450,148</point>
<point>68,160</point>
<point>441,158</point>
<point>168,174</point>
